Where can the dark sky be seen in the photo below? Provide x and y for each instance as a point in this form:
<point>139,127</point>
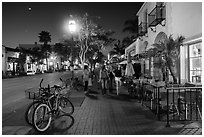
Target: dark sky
<point>21,25</point>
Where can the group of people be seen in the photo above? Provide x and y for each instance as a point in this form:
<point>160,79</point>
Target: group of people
<point>105,77</point>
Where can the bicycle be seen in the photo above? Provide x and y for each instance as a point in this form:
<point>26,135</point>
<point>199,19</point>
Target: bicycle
<point>45,112</point>
<point>42,96</point>
<point>37,97</point>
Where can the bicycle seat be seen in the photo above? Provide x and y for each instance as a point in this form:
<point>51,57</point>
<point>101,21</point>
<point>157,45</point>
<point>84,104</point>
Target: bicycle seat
<point>57,86</point>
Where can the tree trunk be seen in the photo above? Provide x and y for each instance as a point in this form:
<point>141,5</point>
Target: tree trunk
<point>47,64</point>
<point>171,69</point>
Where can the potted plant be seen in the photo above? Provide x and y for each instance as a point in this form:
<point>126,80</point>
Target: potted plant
<point>167,53</point>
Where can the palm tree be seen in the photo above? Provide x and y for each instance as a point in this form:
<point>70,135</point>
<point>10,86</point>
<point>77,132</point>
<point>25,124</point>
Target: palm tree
<point>118,49</point>
<point>168,53</point>
<point>131,26</point>
<point>45,37</point>
<point>128,40</point>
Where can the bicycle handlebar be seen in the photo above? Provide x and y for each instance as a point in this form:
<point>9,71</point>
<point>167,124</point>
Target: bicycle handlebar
<point>41,82</point>
<point>61,79</point>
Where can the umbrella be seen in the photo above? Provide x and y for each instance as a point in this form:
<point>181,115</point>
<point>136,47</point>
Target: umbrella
<point>129,68</point>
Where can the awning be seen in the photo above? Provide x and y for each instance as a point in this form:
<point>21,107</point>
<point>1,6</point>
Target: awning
<point>131,49</point>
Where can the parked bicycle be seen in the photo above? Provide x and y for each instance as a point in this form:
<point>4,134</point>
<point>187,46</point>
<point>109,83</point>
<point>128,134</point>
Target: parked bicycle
<point>55,98</point>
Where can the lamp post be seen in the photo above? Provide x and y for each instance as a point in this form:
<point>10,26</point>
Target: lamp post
<point>72,29</point>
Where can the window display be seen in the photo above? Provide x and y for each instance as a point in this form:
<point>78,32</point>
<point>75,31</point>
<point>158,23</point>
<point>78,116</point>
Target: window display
<point>195,60</point>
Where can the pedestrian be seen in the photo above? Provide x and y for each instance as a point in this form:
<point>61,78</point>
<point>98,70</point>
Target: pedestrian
<point>86,78</point>
<point>118,75</point>
<point>103,77</point>
<point>97,73</point>
<point>111,78</point>
<point>91,75</point>
<point>72,71</point>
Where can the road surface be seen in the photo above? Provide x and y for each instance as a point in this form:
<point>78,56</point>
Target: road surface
<point>13,89</point>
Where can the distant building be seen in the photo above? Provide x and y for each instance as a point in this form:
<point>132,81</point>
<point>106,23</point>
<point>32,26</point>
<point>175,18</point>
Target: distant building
<point>9,61</point>
<point>29,46</point>
<point>54,61</point>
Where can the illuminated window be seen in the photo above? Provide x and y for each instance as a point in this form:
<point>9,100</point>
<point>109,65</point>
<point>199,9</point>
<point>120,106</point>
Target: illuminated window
<point>147,67</point>
<point>195,61</point>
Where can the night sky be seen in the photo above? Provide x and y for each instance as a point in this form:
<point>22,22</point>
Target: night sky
<point>22,21</point>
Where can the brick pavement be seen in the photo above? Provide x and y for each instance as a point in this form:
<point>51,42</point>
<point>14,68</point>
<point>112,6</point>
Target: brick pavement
<point>117,115</point>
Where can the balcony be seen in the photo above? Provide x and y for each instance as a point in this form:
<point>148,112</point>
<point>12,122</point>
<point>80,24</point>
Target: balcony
<point>157,15</point>
<point>142,29</point>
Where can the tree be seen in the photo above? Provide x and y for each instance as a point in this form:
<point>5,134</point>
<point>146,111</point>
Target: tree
<point>45,37</point>
<point>127,41</point>
<point>118,49</point>
<point>167,53</point>
<point>61,51</point>
<point>131,26</point>
<point>72,49</point>
<point>36,54</point>
<point>91,35</point>
<point>22,58</point>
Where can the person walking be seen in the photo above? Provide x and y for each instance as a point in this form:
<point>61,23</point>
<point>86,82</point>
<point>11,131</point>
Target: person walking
<point>118,75</point>
<point>111,78</point>
<point>103,77</point>
<point>72,71</point>
<point>96,74</point>
<point>86,74</point>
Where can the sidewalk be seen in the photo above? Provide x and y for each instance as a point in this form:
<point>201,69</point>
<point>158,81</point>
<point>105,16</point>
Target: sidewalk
<point>115,115</point>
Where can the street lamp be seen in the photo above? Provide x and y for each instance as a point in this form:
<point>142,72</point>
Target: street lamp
<point>72,26</point>
<point>72,29</point>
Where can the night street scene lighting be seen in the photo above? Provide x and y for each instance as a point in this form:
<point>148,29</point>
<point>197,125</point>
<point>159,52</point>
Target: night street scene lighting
<point>102,68</point>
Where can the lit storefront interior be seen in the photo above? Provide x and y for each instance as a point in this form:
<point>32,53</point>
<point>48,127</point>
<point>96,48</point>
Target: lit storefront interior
<point>191,60</point>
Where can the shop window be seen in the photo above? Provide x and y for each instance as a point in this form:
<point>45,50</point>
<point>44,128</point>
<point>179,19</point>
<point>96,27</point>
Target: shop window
<point>10,66</point>
<point>195,61</point>
<point>146,67</point>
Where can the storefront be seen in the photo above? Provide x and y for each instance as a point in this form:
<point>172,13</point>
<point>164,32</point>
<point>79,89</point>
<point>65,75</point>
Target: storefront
<point>191,59</point>
<point>9,61</point>
<point>30,67</point>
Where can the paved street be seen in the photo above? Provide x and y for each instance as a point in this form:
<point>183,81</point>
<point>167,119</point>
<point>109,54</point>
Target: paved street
<point>13,92</point>
<point>13,89</point>
<point>100,115</point>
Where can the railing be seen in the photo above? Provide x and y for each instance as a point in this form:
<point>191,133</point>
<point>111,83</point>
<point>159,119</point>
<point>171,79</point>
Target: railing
<point>156,16</point>
<point>142,29</point>
<point>173,103</point>
<point>152,97</point>
<point>183,103</point>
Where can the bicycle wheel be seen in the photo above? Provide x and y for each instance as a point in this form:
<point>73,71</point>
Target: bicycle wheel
<point>30,111</point>
<point>42,117</point>
<point>66,106</point>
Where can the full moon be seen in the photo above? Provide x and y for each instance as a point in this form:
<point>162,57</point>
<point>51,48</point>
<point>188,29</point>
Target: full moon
<point>29,8</point>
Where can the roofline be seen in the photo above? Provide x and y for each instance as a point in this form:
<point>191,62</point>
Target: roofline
<point>11,49</point>
<point>141,8</point>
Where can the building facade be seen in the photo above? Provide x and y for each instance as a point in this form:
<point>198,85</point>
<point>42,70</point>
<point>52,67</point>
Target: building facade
<point>52,63</point>
<point>159,20</point>
<point>9,61</point>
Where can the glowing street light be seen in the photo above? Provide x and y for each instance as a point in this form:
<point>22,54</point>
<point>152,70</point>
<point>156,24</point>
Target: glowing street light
<point>72,29</point>
<point>72,26</point>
